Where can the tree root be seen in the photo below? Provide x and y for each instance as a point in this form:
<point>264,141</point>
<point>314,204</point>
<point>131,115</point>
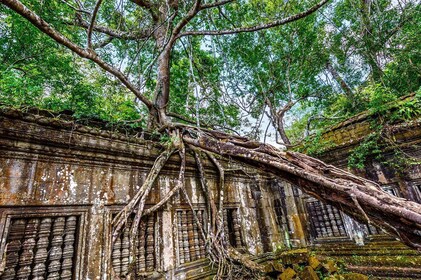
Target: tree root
<point>231,263</point>
<point>139,199</point>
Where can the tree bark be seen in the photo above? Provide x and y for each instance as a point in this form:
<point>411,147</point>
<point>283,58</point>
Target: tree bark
<point>344,86</point>
<point>361,199</point>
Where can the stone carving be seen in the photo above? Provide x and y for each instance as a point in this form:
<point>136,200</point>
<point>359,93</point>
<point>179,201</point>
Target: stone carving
<point>125,248</point>
<point>56,250</point>
<point>141,264</point>
<point>325,220</point>
<point>237,228</point>
<point>150,248</point>
<point>27,256</point>
<point>185,237</point>
<point>196,238</point>
<point>191,245</point>
<point>232,227</point>
<point>190,222</point>
<point>14,244</point>
<point>202,248</point>
<point>68,251</point>
<point>180,237</point>
<point>116,256</point>
<point>38,273</point>
<point>144,247</point>
<point>36,248</point>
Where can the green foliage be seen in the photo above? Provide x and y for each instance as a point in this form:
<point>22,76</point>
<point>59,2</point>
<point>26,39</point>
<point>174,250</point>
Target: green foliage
<point>383,114</point>
<point>316,145</point>
<point>369,147</point>
<point>378,97</point>
<point>35,71</point>
<point>374,46</point>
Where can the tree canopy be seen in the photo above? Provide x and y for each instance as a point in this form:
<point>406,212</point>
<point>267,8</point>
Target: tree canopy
<point>296,78</point>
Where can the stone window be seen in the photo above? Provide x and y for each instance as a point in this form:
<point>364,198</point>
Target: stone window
<point>372,230</point>
<point>278,211</point>
<point>232,227</point>
<point>145,260</point>
<point>41,247</point>
<point>191,245</point>
<point>279,205</point>
<point>325,220</point>
<point>417,189</point>
<point>391,190</point>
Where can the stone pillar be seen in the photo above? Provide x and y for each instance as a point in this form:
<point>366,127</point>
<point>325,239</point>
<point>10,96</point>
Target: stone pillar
<point>167,257</point>
<point>295,220</point>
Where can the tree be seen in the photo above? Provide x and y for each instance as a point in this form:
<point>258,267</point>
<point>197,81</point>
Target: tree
<point>146,35</point>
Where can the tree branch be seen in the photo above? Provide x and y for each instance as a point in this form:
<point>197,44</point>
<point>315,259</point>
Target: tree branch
<point>148,5</point>
<point>182,23</point>
<point>215,4</point>
<point>91,25</point>
<point>46,28</point>
<point>126,35</point>
<point>256,27</point>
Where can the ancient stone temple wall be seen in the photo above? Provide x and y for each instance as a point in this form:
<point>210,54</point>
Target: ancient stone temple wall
<point>403,179</point>
<point>61,183</point>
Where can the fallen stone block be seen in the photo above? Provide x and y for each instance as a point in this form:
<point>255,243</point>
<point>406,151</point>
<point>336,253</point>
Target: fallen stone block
<point>330,267</point>
<point>308,273</point>
<point>288,274</point>
<point>314,263</point>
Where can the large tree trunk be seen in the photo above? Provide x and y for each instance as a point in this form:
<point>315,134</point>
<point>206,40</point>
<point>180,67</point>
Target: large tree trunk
<point>361,199</point>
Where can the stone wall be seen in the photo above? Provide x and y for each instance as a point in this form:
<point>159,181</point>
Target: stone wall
<point>62,182</point>
<point>400,180</point>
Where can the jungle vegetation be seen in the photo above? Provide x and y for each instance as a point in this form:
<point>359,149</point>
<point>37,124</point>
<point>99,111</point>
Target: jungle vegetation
<point>218,78</point>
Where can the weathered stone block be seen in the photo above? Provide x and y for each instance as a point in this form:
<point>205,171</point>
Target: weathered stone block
<point>269,267</point>
<point>354,276</point>
<point>288,274</point>
<point>278,266</point>
<point>314,263</point>
<point>308,273</point>
<point>299,256</point>
<point>330,267</point>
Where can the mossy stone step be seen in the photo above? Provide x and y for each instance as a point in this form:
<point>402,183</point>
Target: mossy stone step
<point>405,261</point>
<point>388,272</point>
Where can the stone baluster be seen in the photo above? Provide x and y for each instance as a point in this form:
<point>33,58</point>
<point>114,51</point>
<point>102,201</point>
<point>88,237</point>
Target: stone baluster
<point>321,223</point>
<point>40,269</point>
<point>69,249</point>
<point>339,220</point>
<point>141,260</point>
<point>196,237</point>
<point>125,247</point>
<point>180,237</point>
<point>201,241</point>
<point>150,248</point>
<point>56,251</point>
<point>326,221</point>
<point>116,256</point>
<point>27,256</point>
<point>16,233</point>
<point>185,237</point>
<point>334,221</point>
<point>237,228</point>
<point>226,228</point>
<point>313,218</point>
<point>190,222</point>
